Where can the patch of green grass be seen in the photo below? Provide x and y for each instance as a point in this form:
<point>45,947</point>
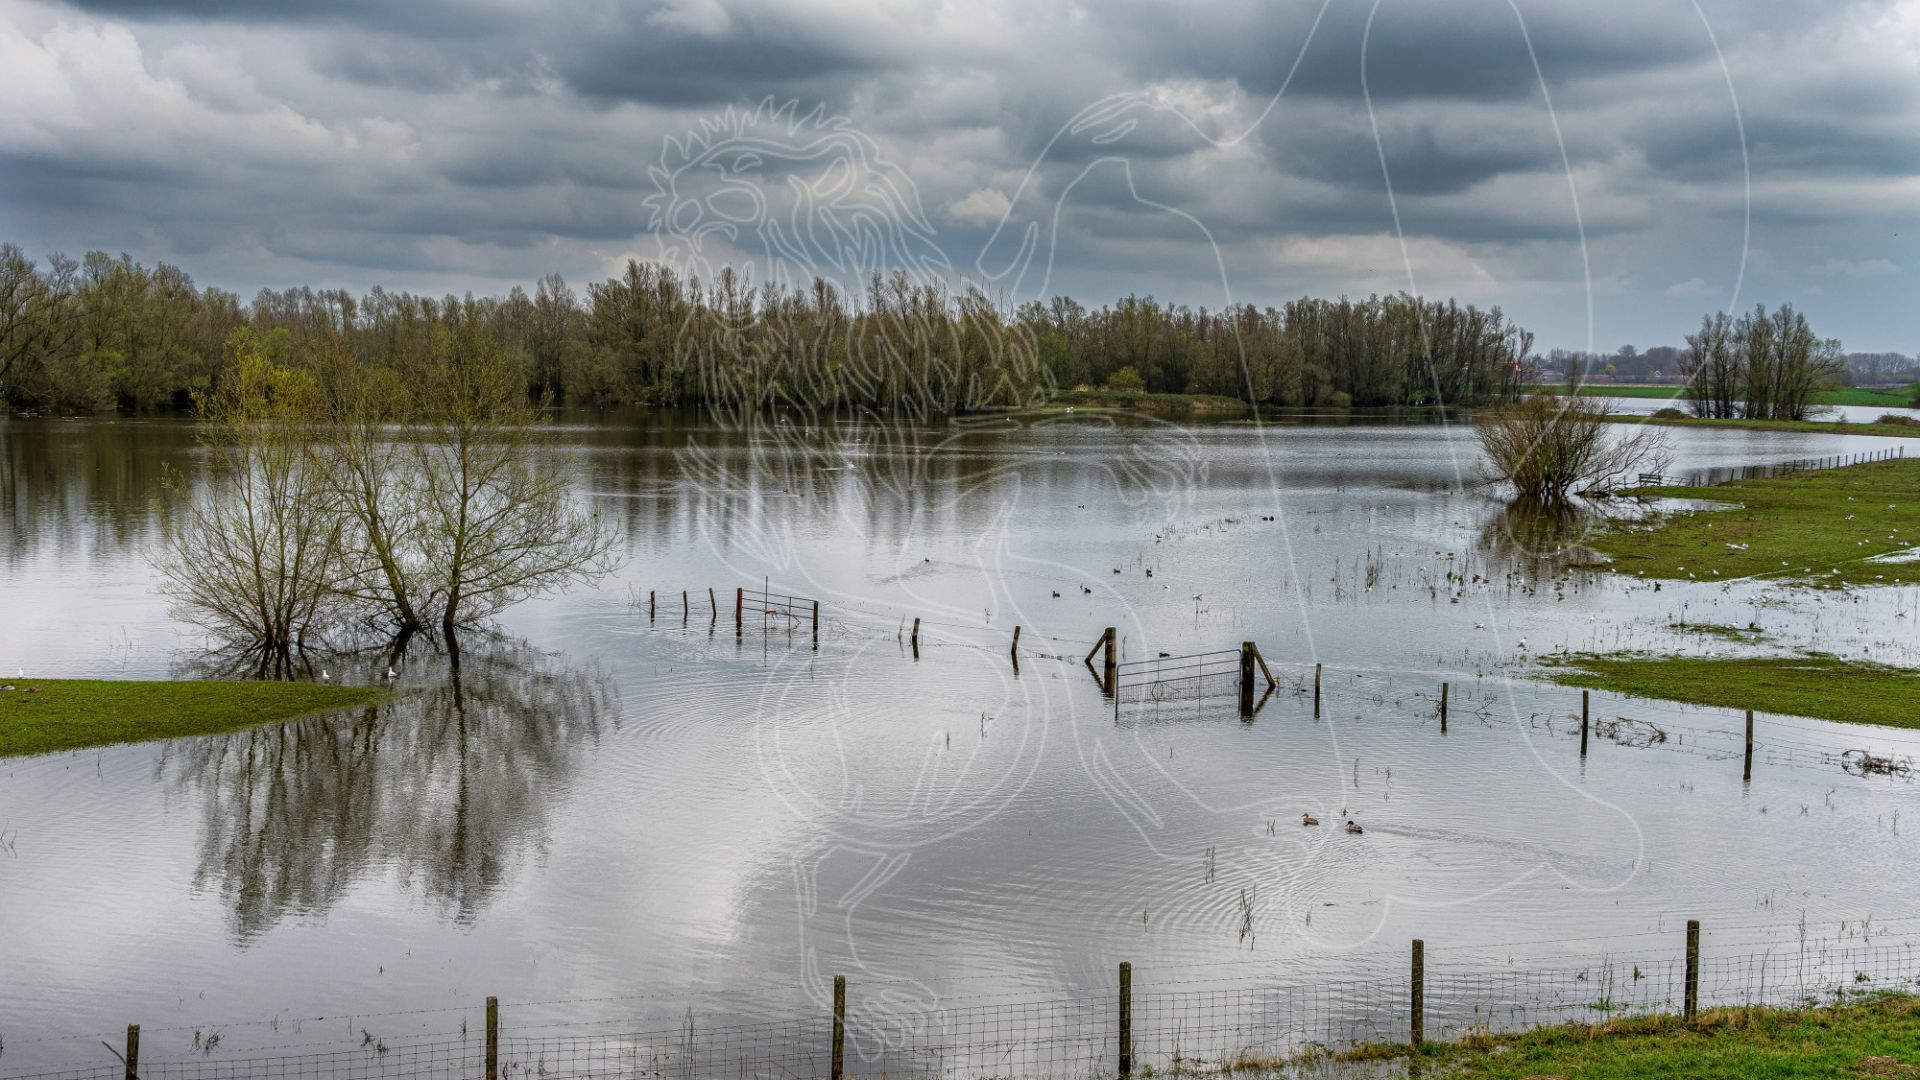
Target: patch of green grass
<point>1719,630</point>
<point>1850,395</point>
<point>1876,1037</point>
<point>1821,527</point>
<point>1816,685</point>
<point>1143,401</point>
<point>1813,427</point>
<point>40,716</point>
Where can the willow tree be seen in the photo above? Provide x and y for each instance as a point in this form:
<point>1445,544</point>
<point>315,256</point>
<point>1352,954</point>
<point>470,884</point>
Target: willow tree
<point>252,554</point>
<point>1549,447</point>
<point>498,520</point>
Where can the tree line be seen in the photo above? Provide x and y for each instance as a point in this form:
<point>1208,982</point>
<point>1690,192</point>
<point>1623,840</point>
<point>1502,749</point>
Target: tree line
<point>107,332</point>
<point>1762,365</point>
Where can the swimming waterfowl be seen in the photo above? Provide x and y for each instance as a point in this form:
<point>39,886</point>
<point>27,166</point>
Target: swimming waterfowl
<point>1309,820</point>
<point>1354,829</point>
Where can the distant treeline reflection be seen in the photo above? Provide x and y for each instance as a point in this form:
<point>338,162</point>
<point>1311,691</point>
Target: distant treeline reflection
<point>104,333</point>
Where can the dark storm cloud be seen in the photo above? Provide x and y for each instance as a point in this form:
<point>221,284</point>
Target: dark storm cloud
<point>441,145</point>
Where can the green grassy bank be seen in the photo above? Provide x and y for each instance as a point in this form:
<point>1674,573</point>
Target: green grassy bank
<point>1875,1037</point>
<point>1820,527</point>
<point>1820,686</point>
<point>1142,401</point>
<point>1898,430</point>
<point>1850,395</point>
<point>42,715</point>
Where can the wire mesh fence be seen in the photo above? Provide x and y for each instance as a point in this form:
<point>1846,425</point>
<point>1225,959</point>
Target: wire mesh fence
<point>1194,1020</point>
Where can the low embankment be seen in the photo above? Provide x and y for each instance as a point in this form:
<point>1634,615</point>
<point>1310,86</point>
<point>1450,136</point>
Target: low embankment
<point>39,716</point>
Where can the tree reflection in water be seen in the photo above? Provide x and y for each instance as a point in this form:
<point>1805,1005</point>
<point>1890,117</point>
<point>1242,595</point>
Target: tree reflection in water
<point>447,783</point>
<point>1539,536</point>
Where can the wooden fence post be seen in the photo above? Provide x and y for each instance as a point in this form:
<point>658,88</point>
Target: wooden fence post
<point>133,1052</point>
<point>649,605</point>
<point>1113,660</point>
<point>1126,1018</point>
<point>916,637</point>
<point>816,626</point>
<point>1443,708</point>
<point>1419,993</point>
<point>1316,691</point>
<point>839,1026</point>
<point>1691,1003</point>
<point>686,608</point>
<point>739,611</point>
<point>493,1038</point>
<point>1746,773</point>
<point>1015,650</point>
<point>1583,723</point>
<point>713,603</point>
<point>1246,680</point>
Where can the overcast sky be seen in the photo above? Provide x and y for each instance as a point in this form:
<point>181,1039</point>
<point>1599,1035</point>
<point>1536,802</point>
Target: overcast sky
<point>1605,172</point>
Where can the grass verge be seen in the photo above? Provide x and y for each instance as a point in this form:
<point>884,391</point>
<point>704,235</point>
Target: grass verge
<point>40,716</point>
<point>1142,401</point>
<point>1851,395</point>
<point>1811,427</point>
<point>1875,1037</point>
<point>1817,685</point>
<point>1822,527</point>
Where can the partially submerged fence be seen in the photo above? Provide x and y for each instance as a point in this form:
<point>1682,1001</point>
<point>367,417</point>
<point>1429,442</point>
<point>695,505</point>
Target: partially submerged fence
<point>1168,1020</point>
<point>1709,476</point>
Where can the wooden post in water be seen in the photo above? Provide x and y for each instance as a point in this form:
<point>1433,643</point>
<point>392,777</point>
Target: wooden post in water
<point>649,605</point>
<point>739,611</point>
<point>1316,691</point>
<point>1015,650</point>
<point>133,1052</point>
<point>493,1038</point>
<point>1746,773</point>
<point>713,603</point>
<point>839,1026</point>
<point>1691,1003</point>
<point>1443,708</point>
<point>1246,680</point>
<point>1113,660</point>
<point>686,607</point>
<point>1583,723</point>
<point>1126,1019</point>
<point>1419,993</point>
<point>816,626</point>
<point>916,637</point>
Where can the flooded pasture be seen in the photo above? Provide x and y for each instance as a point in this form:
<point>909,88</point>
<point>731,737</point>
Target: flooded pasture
<point>621,814</point>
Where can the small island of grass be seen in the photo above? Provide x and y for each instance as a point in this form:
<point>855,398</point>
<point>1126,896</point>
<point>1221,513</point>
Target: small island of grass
<point>1828,527</point>
<point>39,716</point>
<point>1820,686</point>
<point>1877,1036</point>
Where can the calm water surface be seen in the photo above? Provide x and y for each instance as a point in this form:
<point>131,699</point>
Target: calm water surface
<point>603,806</point>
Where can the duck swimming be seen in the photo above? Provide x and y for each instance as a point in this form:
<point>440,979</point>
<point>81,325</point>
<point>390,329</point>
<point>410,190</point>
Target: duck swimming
<point>1354,829</point>
<point>1309,820</point>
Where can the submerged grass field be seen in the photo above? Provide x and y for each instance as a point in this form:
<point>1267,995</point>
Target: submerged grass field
<point>1820,686</point>
<point>1824,527</point>
<point>39,716</point>
<point>1877,1037</point>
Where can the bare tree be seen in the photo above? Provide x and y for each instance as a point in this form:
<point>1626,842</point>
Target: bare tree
<point>499,520</point>
<point>252,554</point>
<point>1552,447</point>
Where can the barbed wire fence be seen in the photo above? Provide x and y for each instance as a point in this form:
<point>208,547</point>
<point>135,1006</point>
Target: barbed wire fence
<point>1175,1019</point>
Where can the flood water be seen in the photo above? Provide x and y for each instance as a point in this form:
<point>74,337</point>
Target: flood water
<point>656,816</point>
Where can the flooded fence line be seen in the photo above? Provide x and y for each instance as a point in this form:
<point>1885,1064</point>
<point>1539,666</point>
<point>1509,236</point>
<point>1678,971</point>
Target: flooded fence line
<point>1248,663</point>
<point>1710,476</point>
<point>1174,1019</point>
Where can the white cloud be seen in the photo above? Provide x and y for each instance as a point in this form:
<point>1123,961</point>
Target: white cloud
<point>1692,288</point>
<point>983,206</point>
